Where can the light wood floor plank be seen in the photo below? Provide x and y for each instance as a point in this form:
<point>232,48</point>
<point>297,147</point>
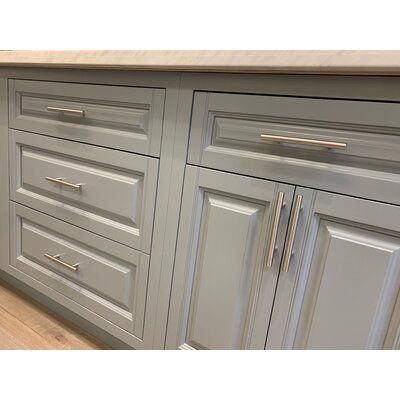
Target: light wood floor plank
<point>25,324</point>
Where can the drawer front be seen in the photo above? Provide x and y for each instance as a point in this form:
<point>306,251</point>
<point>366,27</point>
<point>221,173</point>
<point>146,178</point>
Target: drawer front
<point>105,191</point>
<point>125,118</point>
<point>296,139</point>
<point>107,278</point>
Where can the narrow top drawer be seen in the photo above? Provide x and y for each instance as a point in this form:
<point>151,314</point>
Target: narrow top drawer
<point>250,123</point>
<point>327,143</point>
<point>126,118</point>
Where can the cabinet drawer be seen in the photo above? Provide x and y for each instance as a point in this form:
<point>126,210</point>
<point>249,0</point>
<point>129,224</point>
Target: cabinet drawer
<point>125,118</point>
<point>105,277</point>
<point>105,191</point>
<point>300,140</point>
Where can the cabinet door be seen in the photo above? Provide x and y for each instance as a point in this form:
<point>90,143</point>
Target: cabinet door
<point>343,281</point>
<point>222,291</point>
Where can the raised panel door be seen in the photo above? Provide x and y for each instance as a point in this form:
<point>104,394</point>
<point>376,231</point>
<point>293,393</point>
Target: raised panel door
<point>341,290</point>
<point>222,290</point>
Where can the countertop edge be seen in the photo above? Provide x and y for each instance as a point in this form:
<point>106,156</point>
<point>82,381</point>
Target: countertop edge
<point>388,71</point>
<point>385,63</point>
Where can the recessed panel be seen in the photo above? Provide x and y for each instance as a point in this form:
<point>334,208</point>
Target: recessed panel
<point>102,190</point>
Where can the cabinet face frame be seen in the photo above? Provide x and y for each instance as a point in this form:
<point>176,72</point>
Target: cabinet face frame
<point>373,226</point>
<point>203,190</point>
<point>4,176</point>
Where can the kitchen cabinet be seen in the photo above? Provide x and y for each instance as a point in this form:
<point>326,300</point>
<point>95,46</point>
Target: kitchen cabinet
<point>336,283</point>
<point>205,210</point>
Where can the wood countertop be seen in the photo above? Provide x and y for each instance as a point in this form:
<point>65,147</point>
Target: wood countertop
<point>286,61</point>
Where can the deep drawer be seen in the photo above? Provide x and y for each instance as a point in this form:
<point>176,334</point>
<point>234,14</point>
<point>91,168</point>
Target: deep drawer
<point>108,192</point>
<point>125,118</point>
<point>296,139</point>
<point>105,277</point>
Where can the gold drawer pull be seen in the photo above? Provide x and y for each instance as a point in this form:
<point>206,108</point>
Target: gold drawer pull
<point>274,229</point>
<point>294,220</point>
<point>308,142</point>
<point>64,183</point>
<point>78,113</point>
<point>57,260</point>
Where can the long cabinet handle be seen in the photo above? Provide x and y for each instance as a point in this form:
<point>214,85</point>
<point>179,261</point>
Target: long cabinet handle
<point>57,260</point>
<point>294,221</point>
<point>308,142</point>
<point>64,183</point>
<point>274,229</point>
<point>78,113</point>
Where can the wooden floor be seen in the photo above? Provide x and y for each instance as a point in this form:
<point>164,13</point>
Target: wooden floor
<point>27,325</point>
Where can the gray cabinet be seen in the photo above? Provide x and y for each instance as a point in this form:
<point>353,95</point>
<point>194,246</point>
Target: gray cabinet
<point>223,287</point>
<point>344,277</point>
<point>206,211</point>
<point>81,187</point>
<point>335,279</point>
<point>335,272</point>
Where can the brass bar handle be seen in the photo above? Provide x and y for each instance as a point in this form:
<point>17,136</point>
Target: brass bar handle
<point>64,183</point>
<point>294,220</point>
<point>57,260</point>
<point>78,113</point>
<point>274,230</point>
<point>308,142</point>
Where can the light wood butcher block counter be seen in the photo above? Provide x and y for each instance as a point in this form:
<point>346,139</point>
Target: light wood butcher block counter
<point>285,61</point>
